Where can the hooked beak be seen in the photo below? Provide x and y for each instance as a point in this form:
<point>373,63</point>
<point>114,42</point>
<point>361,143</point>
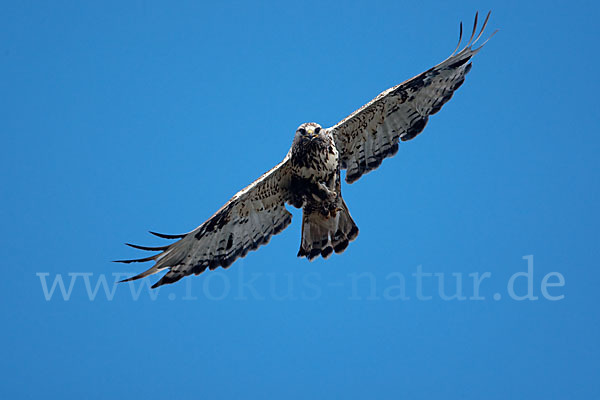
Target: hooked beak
<point>311,132</point>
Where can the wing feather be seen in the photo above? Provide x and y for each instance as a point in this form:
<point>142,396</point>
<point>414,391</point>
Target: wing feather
<point>247,221</point>
<point>372,133</point>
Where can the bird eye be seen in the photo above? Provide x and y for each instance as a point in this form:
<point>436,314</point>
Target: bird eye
<point>317,130</point>
<point>302,131</point>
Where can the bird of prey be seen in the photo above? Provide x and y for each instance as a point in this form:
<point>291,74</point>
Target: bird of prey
<point>309,177</point>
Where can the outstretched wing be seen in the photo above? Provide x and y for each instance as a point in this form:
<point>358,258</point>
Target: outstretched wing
<point>247,221</point>
<point>372,133</point>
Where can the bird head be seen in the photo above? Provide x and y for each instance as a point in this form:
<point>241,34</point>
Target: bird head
<point>309,130</point>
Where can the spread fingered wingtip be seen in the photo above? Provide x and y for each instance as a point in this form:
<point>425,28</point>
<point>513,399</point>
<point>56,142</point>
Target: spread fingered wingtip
<point>137,260</point>
<point>474,29</point>
<point>471,42</point>
<point>136,277</point>
<point>154,269</point>
<point>459,39</point>
<point>147,248</point>
<point>486,40</point>
<point>487,18</point>
<point>166,236</point>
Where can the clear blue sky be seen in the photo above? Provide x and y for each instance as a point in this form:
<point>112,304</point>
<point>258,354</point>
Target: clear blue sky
<point>123,117</point>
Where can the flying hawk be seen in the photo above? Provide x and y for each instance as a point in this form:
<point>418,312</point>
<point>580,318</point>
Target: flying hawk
<point>309,177</point>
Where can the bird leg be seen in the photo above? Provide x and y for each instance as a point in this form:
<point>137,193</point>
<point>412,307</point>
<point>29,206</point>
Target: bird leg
<point>328,199</point>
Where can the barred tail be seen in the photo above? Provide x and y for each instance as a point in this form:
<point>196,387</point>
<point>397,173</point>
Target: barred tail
<point>325,234</point>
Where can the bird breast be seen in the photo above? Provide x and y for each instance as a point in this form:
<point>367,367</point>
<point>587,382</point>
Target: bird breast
<point>315,159</point>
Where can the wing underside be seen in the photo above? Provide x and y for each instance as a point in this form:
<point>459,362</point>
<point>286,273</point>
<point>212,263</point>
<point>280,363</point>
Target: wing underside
<point>246,222</point>
<point>372,133</point>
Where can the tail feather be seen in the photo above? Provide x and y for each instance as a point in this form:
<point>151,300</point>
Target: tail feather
<point>323,235</point>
